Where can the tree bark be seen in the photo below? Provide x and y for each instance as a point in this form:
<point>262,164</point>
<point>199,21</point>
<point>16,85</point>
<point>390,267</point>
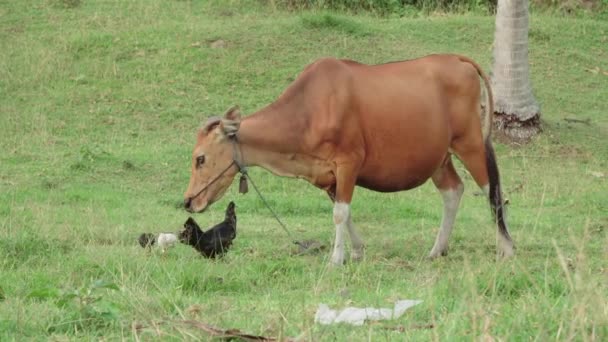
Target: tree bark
<point>517,113</point>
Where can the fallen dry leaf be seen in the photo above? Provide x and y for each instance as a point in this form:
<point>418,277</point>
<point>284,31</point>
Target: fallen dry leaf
<point>597,174</point>
<point>218,44</point>
<point>594,71</point>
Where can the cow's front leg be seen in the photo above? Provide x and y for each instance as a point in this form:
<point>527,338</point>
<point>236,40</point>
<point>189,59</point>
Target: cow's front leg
<point>356,242</point>
<point>341,217</point>
<point>346,175</point>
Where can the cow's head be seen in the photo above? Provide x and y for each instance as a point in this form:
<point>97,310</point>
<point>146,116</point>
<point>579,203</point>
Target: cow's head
<point>213,167</point>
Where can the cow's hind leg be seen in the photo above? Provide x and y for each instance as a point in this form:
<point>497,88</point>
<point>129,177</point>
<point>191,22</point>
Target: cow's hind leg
<point>480,161</point>
<point>449,184</point>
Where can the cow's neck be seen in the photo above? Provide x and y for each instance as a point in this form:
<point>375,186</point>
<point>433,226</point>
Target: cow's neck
<point>278,127</point>
<point>271,140</point>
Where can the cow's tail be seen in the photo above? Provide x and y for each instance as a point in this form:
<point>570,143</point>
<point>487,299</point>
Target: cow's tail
<point>494,189</point>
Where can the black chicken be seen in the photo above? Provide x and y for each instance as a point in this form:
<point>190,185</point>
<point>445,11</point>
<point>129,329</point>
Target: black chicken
<point>215,241</point>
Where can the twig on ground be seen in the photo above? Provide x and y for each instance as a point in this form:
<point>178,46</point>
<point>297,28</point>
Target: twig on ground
<point>572,120</point>
<point>227,335</point>
<point>401,328</point>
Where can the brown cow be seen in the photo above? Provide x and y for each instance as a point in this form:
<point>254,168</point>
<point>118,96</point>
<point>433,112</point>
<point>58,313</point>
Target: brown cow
<point>387,128</point>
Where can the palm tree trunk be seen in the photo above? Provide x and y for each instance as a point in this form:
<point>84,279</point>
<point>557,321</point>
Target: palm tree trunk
<point>517,114</point>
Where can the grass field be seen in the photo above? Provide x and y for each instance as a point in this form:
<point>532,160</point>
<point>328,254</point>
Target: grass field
<point>99,103</point>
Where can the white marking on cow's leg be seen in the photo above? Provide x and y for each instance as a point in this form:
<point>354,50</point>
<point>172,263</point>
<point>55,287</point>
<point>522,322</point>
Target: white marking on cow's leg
<point>341,217</point>
<point>451,201</point>
<point>356,242</point>
<point>505,246</point>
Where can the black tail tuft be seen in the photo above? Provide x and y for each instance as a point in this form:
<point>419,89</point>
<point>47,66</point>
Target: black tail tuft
<point>495,193</point>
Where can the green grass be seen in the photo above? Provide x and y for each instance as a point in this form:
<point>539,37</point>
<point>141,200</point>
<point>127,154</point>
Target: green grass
<point>99,103</point>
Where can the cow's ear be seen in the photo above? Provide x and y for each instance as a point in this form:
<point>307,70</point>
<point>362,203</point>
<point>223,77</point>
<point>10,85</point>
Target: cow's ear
<point>210,124</point>
<point>231,121</point>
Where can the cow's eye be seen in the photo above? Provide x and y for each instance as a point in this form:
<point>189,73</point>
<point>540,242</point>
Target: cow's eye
<point>200,160</point>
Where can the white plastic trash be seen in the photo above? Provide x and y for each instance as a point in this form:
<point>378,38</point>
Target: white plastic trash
<point>358,316</point>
